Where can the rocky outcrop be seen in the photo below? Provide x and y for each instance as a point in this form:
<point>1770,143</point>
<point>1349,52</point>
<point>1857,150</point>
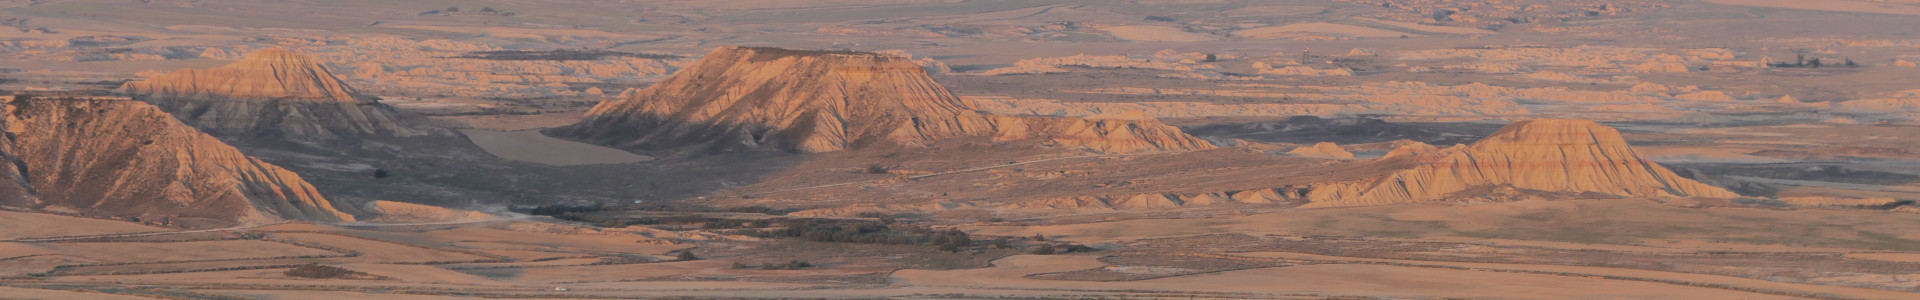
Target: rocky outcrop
<point>1125,132</point>
<point>270,93</point>
<point>1414,151</point>
<point>821,101</point>
<point>420,213</point>
<point>1322,150</point>
<point>1548,155</point>
<point>115,157</point>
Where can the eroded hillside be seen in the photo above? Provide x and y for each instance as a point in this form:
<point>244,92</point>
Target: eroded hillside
<point>823,101</point>
<point>270,93</point>
<point>119,158</point>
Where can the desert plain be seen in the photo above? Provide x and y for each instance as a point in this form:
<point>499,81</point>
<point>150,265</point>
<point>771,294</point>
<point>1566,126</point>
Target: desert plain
<point>977,149</point>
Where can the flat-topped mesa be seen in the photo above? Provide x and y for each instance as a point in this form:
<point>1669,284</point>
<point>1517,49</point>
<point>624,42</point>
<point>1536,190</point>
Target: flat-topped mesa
<point>820,101</point>
<point>1550,155</point>
<point>271,92</point>
<point>116,157</point>
<point>273,73</point>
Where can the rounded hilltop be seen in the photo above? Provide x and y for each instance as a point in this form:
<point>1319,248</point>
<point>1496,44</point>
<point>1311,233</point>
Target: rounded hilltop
<point>1555,131</point>
<point>1545,155</point>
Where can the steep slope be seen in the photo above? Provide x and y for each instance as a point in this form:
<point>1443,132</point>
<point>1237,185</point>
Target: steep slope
<point>115,157</point>
<point>1551,155</point>
<point>271,92</point>
<point>822,101</point>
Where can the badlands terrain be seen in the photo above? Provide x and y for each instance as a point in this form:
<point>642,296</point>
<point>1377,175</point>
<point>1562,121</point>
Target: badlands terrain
<point>976,149</point>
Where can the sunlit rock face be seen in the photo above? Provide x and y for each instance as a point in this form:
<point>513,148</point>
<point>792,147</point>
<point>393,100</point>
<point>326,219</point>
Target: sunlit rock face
<point>822,101</point>
<point>273,93</point>
<point>1552,155</point>
<point>116,157</point>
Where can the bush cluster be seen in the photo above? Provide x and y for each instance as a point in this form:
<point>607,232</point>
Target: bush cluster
<point>317,271</point>
<point>867,232</point>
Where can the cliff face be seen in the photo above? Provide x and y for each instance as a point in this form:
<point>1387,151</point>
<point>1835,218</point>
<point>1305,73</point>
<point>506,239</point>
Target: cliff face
<point>1553,155</point>
<point>818,101</point>
<point>115,157</point>
<point>271,92</point>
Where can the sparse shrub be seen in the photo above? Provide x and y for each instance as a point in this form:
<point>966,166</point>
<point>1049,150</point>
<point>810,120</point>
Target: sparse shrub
<point>1079,248</point>
<point>1044,250</point>
<point>789,265</point>
<point>758,209</point>
<point>862,232</point>
<point>1039,237</point>
<point>877,169</point>
<point>317,271</point>
<point>686,255</point>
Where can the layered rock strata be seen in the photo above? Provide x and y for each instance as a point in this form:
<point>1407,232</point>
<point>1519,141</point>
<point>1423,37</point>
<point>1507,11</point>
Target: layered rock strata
<point>120,158</point>
<point>1549,155</point>
<point>270,93</point>
<point>822,101</point>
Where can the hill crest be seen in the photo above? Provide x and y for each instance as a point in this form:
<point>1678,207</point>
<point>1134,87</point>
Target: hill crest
<point>821,101</point>
<point>1549,155</point>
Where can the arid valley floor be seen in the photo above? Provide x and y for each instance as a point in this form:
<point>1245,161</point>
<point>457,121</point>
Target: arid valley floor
<point>966,149</point>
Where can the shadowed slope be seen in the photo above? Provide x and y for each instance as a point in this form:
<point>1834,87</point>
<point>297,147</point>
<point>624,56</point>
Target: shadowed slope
<point>272,92</point>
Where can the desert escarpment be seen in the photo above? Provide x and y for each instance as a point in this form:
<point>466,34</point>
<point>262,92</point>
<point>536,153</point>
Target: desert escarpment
<point>822,101</point>
<point>1550,155</point>
<point>115,157</point>
<point>271,92</point>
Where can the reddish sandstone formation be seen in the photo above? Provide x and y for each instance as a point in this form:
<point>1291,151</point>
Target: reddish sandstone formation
<point>272,92</point>
<point>821,101</point>
<point>1552,155</point>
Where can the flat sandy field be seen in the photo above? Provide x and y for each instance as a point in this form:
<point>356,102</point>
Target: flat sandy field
<point>531,146</point>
